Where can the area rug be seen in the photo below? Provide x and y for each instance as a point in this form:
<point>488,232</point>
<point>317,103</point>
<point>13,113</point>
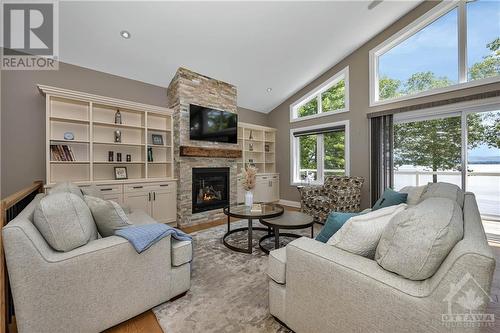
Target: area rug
<point>229,290</point>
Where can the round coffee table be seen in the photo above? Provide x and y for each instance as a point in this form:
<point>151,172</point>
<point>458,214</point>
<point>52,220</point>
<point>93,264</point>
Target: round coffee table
<point>268,210</point>
<point>287,220</point>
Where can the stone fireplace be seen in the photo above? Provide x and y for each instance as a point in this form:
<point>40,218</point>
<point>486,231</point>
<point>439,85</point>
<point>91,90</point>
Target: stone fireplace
<point>186,88</point>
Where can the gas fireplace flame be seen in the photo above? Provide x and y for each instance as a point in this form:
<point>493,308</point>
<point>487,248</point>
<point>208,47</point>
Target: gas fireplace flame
<point>208,196</point>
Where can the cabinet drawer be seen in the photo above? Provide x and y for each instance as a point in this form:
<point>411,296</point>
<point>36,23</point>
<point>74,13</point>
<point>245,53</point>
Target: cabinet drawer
<point>110,189</point>
<point>148,187</point>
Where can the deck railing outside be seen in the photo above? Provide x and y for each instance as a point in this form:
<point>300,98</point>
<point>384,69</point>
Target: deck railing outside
<point>485,186</point>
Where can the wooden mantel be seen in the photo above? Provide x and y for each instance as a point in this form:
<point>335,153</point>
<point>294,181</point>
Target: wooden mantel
<point>191,151</point>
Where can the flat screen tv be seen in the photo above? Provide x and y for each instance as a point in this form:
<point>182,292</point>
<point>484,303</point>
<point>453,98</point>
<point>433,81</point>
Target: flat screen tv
<point>214,125</point>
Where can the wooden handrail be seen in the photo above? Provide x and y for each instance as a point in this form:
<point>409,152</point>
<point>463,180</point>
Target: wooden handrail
<point>6,204</point>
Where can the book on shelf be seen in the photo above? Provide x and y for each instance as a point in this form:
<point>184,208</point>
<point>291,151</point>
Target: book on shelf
<point>62,153</point>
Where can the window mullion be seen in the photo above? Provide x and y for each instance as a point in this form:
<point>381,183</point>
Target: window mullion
<point>462,42</point>
<point>320,107</point>
<point>320,153</point>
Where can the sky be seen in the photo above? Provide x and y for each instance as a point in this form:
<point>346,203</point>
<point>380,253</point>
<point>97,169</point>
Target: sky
<point>436,46</point>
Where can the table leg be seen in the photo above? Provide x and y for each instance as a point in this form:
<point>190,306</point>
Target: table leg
<point>276,238</point>
<point>228,223</point>
<point>249,235</point>
<point>312,231</point>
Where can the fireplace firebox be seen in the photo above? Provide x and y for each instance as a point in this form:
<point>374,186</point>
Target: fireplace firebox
<point>210,189</point>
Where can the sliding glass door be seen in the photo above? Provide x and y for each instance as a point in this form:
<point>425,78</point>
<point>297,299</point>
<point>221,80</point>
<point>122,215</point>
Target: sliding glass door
<point>457,146</point>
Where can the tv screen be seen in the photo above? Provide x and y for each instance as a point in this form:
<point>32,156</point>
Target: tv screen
<point>208,124</point>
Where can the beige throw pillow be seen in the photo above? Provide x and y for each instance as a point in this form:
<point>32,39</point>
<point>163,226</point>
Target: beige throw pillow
<point>65,221</point>
<point>108,215</point>
<point>417,240</point>
<point>414,194</point>
<point>361,234</point>
<point>66,187</point>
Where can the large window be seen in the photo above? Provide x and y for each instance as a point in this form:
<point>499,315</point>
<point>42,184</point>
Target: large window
<point>456,44</point>
<point>460,146</point>
<point>318,152</point>
<point>331,96</point>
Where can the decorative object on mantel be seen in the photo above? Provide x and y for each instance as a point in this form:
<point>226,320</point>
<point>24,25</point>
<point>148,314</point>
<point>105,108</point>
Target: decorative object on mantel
<point>248,184</point>
<point>157,139</point>
<point>118,136</point>
<point>150,154</point>
<point>129,158</point>
<point>118,157</point>
<point>110,156</point>
<point>250,136</point>
<point>191,151</point>
<point>69,136</point>
<point>121,173</point>
<point>118,117</point>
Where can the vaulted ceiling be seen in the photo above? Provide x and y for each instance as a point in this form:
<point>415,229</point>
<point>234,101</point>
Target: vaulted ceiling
<point>253,45</point>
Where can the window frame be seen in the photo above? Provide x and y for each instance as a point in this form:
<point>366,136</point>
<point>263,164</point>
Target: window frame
<point>407,32</point>
<point>316,93</point>
<point>294,152</point>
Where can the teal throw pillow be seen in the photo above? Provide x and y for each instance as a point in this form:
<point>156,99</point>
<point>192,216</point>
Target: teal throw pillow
<point>390,198</point>
<point>333,223</point>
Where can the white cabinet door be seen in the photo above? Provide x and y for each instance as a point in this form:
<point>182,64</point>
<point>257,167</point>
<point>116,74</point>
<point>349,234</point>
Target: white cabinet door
<point>262,190</point>
<point>138,200</point>
<point>275,189</point>
<point>164,203</point>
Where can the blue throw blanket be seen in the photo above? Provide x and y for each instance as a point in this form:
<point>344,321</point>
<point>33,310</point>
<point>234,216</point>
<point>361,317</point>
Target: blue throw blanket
<point>143,236</point>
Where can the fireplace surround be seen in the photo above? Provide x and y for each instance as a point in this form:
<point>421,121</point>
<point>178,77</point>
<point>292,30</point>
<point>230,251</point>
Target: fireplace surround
<point>210,189</point>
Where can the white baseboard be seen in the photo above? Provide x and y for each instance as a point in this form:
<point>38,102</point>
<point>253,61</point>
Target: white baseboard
<point>289,203</point>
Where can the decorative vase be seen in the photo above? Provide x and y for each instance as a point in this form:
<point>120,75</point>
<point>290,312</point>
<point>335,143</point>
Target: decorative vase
<point>248,198</point>
<point>118,136</point>
<point>118,117</point>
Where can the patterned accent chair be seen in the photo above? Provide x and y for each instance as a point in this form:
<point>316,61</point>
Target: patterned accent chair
<point>339,193</point>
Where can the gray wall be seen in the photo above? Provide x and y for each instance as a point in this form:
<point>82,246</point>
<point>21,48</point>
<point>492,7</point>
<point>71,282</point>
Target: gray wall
<point>252,117</point>
<point>23,114</point>
<point>359,107</point>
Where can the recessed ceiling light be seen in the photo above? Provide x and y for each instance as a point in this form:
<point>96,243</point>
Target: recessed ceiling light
<point>269,90</point>
<point>125,34</point>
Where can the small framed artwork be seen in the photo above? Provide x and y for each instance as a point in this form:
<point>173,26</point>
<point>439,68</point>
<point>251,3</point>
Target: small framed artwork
<point>121,173</point>
<point>266,148</point>
<point>157,139</point>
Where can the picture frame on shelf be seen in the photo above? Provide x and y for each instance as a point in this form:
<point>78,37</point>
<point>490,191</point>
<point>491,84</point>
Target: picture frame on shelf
<point>157,139</point>
<point>267,148</point>
<point>121,173</point>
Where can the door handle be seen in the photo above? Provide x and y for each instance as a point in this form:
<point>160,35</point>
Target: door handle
<point>149,196</point>
<point>154,196</point>
<point>106,189</point>
<point>137,186</point>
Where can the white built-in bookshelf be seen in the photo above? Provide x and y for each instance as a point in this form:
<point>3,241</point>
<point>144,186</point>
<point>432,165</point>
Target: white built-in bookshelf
<point>91,121</point>
<point>258,145</point>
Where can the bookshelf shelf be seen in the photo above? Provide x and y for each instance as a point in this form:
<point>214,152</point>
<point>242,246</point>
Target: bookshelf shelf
<point>257,143</point>
<point>91,120</point>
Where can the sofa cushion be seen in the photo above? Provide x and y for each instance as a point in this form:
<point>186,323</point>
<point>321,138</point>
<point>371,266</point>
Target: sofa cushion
<point>361,234</point>
<point>390,198</point>
<point>65,221</point>
<point>139,217</point>
<point>93,191</point>
<point>276,268</point>
<point>333,223</point>
<point>417,240</point>
<point>414,194</point>
<point>444,190</point>
<point>108,215</point>
<point>66,187</point>
<point>182,252</point>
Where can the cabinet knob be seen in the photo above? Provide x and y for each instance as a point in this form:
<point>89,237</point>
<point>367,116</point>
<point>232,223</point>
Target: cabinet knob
<point>137,186</point>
